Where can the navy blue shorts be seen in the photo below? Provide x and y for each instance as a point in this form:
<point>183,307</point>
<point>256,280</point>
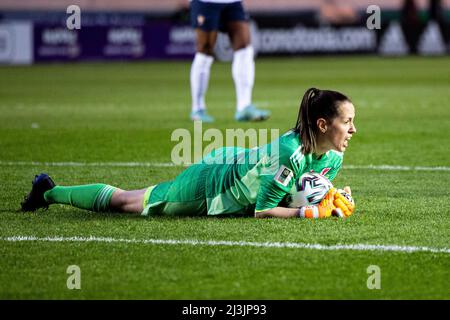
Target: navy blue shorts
<point>214,16</point>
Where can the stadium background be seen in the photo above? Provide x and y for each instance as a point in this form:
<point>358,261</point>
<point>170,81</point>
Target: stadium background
<point>99,104</point>
<point>139,30</point>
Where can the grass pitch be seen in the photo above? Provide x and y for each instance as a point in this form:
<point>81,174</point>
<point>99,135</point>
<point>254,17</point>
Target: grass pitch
<point>119,113</point>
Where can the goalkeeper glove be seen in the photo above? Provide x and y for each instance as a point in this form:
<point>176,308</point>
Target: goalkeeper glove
<point>336,202</point>
<point>344,204</point>
<point>323,210</point>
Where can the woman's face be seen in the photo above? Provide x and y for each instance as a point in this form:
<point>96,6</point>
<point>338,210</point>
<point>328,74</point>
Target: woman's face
<point>339,132</point>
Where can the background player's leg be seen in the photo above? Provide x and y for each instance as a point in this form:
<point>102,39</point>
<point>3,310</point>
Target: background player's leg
<point>243,70</point>
<point>243,66</point>
<point>200,71</point>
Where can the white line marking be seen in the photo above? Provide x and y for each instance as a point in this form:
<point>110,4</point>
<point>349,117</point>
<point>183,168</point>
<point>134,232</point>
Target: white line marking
<point>87,164</point>
<point>169,164</point>
<point>292,245</point>
<point>397,168</point>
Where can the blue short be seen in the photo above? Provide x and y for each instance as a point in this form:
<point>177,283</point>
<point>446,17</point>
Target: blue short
<point>214,16</point>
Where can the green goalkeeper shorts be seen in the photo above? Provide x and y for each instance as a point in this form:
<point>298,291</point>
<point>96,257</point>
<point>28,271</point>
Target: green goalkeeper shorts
<point>184,196</point>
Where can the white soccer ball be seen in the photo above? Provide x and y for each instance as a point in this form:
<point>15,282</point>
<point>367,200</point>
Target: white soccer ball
<point>308,190</point>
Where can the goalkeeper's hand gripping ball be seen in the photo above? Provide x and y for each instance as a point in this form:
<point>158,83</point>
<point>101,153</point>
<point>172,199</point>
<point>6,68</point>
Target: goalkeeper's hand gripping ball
<point>335,203</point>
<point>323,210</point>
<point>344,203</point>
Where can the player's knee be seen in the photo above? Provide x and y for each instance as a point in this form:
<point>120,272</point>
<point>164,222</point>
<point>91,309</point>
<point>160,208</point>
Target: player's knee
<point>206,42</point>
<point>205,49</point>
<point>240,46</point>
<point>118,199</point>
<point>240,39</point>
<point>240,42</point>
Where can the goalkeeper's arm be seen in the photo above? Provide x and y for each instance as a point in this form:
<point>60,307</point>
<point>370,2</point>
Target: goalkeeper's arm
<point>333,203</point>
<point>278,212</point>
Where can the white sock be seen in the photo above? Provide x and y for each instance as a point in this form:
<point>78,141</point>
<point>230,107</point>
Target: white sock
<point>243,70</point>
<point>199,79</point>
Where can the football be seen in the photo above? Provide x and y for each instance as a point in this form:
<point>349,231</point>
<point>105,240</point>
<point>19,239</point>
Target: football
<point>308,190</point>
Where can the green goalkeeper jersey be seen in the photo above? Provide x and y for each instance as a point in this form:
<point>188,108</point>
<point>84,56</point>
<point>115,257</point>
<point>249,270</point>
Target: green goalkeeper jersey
<point>239,181</point>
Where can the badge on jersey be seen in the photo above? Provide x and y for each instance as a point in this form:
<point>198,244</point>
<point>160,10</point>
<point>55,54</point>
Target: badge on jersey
<point>284,176</point>
<point>200,19</point>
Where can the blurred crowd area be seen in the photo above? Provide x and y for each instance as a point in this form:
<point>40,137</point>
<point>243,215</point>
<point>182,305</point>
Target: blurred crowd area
<point>322,12</point>
<point>160,29</point>
<point>310,12</point>
<point>344,7</point>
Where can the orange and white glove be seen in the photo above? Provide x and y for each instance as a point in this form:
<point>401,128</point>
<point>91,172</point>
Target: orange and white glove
<point>344,203</point>
<point>322,210</point>
<point>335,203</point>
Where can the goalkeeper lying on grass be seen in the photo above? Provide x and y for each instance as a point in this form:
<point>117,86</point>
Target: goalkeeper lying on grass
<point>234,181</point>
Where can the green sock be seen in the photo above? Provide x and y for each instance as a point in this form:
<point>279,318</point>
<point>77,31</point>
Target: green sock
<point>94,197</point>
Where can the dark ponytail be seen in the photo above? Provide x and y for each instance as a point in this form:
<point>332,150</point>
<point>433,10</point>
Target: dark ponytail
<point>316,104</point>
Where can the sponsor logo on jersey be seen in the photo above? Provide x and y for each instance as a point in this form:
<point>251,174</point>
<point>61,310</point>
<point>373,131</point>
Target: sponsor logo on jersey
<point>284,176</point>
